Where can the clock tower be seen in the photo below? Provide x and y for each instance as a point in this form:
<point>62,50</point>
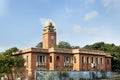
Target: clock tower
<point>49,35</point>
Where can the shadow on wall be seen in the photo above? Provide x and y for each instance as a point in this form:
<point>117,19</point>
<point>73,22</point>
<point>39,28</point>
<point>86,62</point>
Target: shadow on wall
<point>71,75</point>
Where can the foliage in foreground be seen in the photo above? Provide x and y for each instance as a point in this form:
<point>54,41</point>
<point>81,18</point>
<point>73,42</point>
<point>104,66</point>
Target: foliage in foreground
<point>11,66</point>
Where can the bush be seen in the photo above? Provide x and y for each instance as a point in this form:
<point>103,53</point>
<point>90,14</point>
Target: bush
<point>65,74</point>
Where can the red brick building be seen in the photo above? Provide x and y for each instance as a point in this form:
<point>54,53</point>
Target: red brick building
<point>51,58</point>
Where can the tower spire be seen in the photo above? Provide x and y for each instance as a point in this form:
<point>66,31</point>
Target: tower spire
<point>48,23</point>
<point>49,27</point>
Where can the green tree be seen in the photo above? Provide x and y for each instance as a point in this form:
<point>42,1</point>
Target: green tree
<point>39,45</point>
<point>75,47</point>
<point>66,45</point>
<point>63,44</point>
<point>11,65</point>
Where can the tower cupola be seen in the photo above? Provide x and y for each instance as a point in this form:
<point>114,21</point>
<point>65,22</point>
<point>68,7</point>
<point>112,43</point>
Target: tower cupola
<point>49,27</point>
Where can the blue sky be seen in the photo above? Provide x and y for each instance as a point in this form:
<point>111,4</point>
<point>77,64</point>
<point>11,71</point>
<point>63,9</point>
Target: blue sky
<point>79,22</point>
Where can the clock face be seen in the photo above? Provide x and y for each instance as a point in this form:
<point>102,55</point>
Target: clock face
<point>52,37</point>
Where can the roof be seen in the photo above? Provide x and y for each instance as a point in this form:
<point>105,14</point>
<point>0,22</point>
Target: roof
<point>60,50</point>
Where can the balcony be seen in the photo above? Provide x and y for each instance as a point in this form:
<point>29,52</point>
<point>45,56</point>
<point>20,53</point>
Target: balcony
<point>38,64</point>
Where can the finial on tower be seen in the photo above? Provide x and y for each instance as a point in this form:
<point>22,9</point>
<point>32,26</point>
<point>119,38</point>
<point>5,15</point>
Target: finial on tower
<point>48,23</point>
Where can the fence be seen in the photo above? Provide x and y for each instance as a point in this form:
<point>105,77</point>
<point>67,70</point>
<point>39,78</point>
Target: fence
<point>72,75</point>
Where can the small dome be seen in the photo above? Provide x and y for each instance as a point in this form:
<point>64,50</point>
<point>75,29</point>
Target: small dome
<point>48,23</point>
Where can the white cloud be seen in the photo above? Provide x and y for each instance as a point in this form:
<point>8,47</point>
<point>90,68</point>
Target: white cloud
<point>43,21</point>
<point>93,31</point>
<point>68,10</point>
<point>89,2</point>
<point>77,28</point>
<point>3,6</point>
<point>2,49</point>
<point>89,35</point>
<point>91,15</point>
<point>111,5</point>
